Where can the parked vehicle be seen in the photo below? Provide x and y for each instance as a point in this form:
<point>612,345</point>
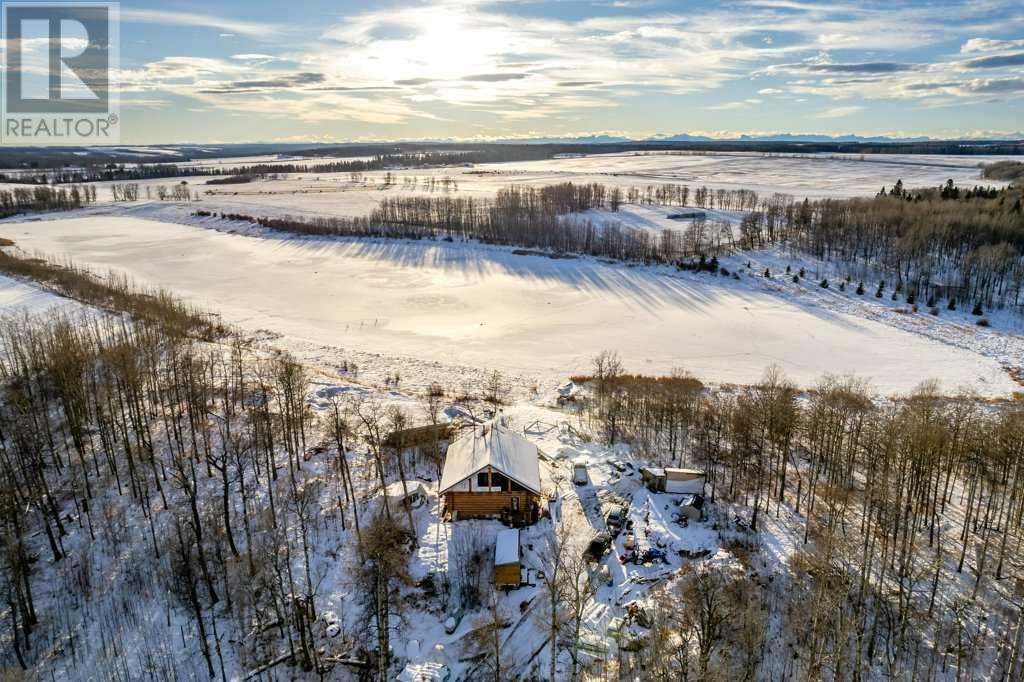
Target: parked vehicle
<point>615,519</point>
<point>600,545</point>
<point>579,474</point>
<point>651,555</point>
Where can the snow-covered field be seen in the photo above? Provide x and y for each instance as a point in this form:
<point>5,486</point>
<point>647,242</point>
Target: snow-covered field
<point>813,175</point>
<point>22,297</point>
<point>441,305</point>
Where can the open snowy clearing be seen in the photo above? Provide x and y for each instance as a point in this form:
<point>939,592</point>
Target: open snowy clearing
<point>19,297</point>
<point>483,307</point>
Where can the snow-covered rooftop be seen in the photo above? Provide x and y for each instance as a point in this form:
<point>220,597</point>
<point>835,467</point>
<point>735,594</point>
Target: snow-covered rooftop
<point>494,445</point>
<point>395,491</point>
<point>506,547</point>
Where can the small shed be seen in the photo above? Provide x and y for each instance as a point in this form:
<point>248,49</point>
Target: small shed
<point>671,480</point>
<point>686,481</point>
<point>507,572</point>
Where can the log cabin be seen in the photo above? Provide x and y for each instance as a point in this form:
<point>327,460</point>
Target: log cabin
<point>492,473</point>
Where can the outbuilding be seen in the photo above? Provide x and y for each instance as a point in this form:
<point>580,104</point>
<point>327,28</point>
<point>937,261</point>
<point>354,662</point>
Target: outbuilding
<point>507,569</point>
<point>672,480</point>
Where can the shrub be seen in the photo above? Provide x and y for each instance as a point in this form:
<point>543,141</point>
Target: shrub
<point>824,284</point>
<point>982,322</point>
<point>977,309</point>
<point>934,311</point>
<point>860,289</point>
<point>952,303</point>
<point>796,279</point>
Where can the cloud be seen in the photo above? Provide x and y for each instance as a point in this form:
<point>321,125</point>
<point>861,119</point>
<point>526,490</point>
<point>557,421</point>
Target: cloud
<point>839,112</point>
<point>996,62</point>
<point>296,80</point>
<point>468,60</point>
<point>729,106</point>
<point>987,45</point>
<point>254,57</point>
<point>863,67</point>
<point>170,18</point>
<point>993,86</point>
<point>494,77</point>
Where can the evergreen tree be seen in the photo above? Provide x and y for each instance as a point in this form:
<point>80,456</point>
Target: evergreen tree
<point>824,284</point>
<point>860,289</point>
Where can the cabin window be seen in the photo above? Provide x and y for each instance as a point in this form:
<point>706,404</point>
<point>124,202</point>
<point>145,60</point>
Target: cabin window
<point>516,488</point>
<point>515,504</point>
<point>491,482</point>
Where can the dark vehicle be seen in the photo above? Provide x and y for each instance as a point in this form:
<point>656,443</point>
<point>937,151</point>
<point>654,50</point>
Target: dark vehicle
<point>652,555</point>
<point>600,545</point>
<point>615,519</point>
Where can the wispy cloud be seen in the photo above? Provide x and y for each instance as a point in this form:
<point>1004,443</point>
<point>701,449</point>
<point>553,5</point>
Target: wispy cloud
<point>175,18</point>
<point>839,112</point>
<point>996,62</point>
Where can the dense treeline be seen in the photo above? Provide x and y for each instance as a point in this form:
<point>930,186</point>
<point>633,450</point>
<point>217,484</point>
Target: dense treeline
<point>142,171</point>
<point>910,512</point>
<point>159,513</point>
<point>37,199</point>
<point>960,245</point>
<point>535,217</point>
<point>114,292</point>
<point>1012,171</point>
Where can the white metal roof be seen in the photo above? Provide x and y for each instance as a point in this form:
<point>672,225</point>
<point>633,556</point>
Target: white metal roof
<point>683,472</point>
<point>494,445</point>
<point>506,547</point>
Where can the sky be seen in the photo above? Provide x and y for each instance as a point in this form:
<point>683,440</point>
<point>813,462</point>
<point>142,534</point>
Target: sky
<point>334,71</point>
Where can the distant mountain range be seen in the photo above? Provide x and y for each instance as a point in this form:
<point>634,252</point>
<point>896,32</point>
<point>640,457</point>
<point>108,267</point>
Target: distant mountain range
<point>778,137</point>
